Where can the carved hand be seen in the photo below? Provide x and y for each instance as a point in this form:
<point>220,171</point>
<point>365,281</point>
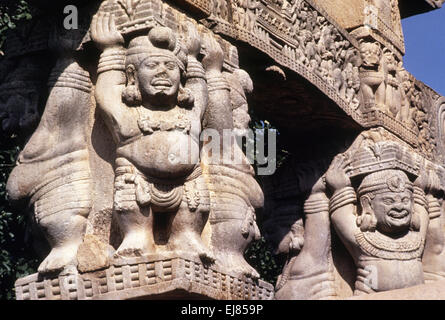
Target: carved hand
<point>319,187</point>
<point>104,32</point>
<point>192,39</point>
<point>336,177</point>
<point>296,243</point>
<point>214,56</point>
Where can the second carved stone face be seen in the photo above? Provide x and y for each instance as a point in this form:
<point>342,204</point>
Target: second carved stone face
<point>159,78</point>
<point>371,54</point>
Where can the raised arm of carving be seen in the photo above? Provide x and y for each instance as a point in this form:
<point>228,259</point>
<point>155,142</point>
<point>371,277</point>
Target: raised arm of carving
<point>423,185</point>
<point>111,76</point>
<point>196,81</point>
<point>309,275</point>
<point>219,114</point>
<point>433,256</point>
<point>342,205</point>
<point>317,234</point>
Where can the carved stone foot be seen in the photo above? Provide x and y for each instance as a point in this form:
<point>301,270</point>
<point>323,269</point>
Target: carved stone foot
<point>238,265</point>
<point>133,245</point>
<point>192,243</point>
<point>60,259</point>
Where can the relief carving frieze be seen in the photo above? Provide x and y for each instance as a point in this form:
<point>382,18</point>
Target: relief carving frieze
<point>158,192</point>
<point>300,36</point>
<point>361,71</point>
<point>128,175</point>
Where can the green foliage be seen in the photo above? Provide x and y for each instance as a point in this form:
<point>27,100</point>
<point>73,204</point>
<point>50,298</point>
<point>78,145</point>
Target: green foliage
<point>259,256</point>
<point>16,258</point>
<point>10,13</point>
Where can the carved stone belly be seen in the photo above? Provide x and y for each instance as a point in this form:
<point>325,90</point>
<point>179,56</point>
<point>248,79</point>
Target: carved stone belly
<point>163,154</point>
<point>372,78</point>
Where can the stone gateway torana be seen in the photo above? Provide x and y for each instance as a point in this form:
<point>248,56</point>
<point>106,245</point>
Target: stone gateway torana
<point>132,200</point>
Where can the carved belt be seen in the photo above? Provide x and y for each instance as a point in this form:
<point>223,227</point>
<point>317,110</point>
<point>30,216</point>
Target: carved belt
<point>166,195</point>
<point>377,75</point>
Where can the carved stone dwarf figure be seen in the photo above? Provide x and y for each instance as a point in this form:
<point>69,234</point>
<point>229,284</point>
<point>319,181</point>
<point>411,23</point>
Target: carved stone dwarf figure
<point>393,92</point>
<point>153,106</point>
<point>385,233</point>
<point>372,77</point>
<point>219,8</point>
<point>53,175</point>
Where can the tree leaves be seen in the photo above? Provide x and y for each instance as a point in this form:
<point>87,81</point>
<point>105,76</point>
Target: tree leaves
<point>12,11</point>
<point>259,256</point>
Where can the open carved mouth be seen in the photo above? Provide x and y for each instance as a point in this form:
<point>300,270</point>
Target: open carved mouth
<point>398,214</point>
<point>162,83</point>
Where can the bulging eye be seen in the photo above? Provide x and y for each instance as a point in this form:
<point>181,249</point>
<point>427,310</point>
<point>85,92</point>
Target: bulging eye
<point>405,200</point>
<point>388,201</point>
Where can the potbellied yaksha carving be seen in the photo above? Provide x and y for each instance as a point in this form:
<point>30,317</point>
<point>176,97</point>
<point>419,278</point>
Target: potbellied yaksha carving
<point>153,95</point>
<point>383,226</point>
<point>383,202</point>
<point>372,76</point>
<point>119,172</point>
<point>154,105</point>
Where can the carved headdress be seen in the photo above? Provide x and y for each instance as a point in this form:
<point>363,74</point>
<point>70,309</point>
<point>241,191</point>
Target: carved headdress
<point>160,41</point>
<point>384,181</point>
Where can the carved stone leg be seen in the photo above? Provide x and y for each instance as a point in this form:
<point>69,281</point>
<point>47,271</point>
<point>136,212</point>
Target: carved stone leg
<point>234,194</point>
<point>310,274</point>
<point>64,241</point>
<point>136,226</point>
<point>63,194</point>
<point>135,222</point>
<point>189,221</point>
<point>231,235</point>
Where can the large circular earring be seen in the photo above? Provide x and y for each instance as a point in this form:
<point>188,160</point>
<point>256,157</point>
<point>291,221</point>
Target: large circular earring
<point>185,98</point>
<point>415,222</point>
<point>367,221</point>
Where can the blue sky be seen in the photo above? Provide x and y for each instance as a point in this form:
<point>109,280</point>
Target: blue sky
<point>425,48</point>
